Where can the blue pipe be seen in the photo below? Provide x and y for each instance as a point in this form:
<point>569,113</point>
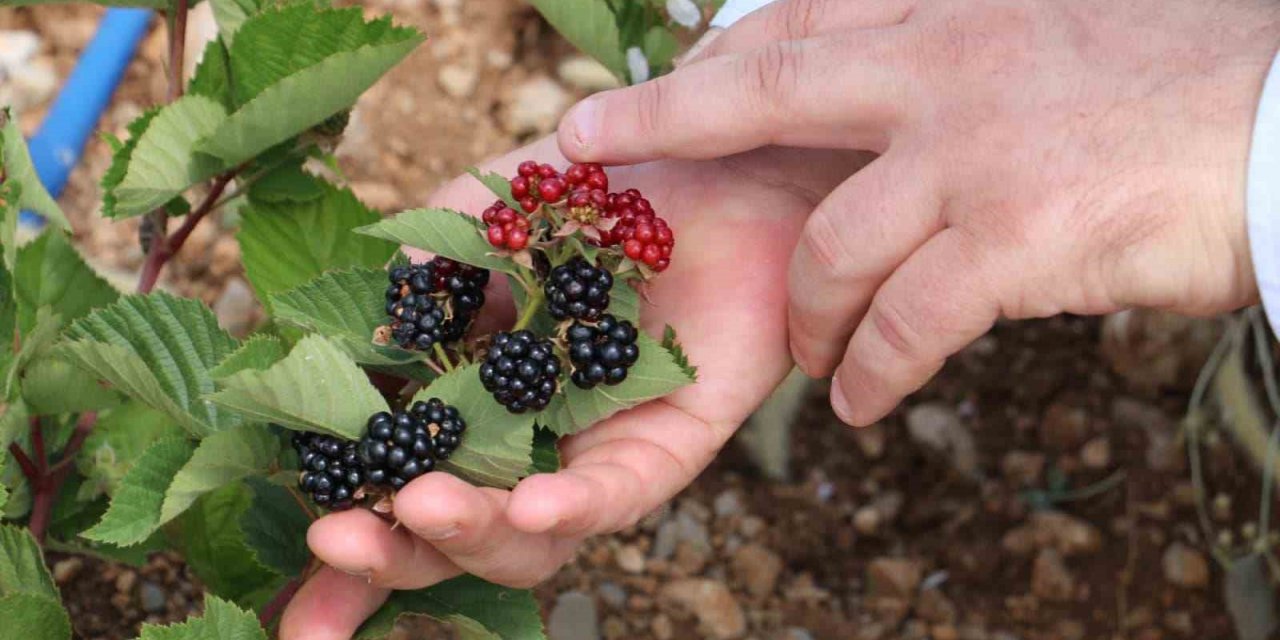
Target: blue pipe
<point>57,145</point>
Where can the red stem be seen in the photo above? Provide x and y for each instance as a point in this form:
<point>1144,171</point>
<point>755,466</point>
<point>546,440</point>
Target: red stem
<point>37,446</point>
<point>48,485</point>
<point>278,602</point>
<point>162,249</point>
<point>29,470</point>
<point>177,49</point>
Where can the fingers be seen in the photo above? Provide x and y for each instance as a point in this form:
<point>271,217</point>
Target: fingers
<point>800,20</point>
<point>938,301</point>
<point>851,243</point>
<point>823,93</point>
<point>469,525</point>
<point>330,606</point>
<point>359,542</point>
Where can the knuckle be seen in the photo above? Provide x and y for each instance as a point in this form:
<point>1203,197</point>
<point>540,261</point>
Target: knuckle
<point>824,241</point>
<point>896,330</point>
<point>798,19</point>
<point>772,76</point>
<point>651,106</point>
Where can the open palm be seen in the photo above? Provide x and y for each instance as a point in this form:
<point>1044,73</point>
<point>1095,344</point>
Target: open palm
<point>736,223</point>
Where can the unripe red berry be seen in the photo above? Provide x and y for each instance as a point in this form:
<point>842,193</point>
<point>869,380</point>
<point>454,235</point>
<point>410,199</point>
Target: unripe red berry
<point>529,204</point>
<point>547,171</point>
<point>551,189</point>
<point>497,237</point>
<point>632,249</point>
<point>527,168</point>
<point>519,187</point>
<point>651,254</point>
<point>517,239</point>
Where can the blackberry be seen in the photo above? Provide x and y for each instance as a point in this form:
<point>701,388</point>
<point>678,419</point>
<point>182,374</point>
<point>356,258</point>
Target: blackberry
<point>578,290</point>
<point>395,449</point>
<point>434,302</point>
<point>462,286</point>
<point>332,472</point>
<point>602,353</point>
<point>443,422</point>
<point>520,371</point>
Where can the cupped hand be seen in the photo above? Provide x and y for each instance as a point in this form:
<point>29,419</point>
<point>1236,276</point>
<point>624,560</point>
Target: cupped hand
<point>1038,157</point>
<point>736,222</point>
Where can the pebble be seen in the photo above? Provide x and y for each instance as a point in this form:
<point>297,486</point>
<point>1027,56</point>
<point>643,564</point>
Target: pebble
<point>796,633</point>
<point>152,597</point>
<point>719,614</point>
<point>1023,468</point>
<point>727,504</point>
<point>757,568</point>
<point>943,632</point>
<point>871,441</point>
<point>1064,426</point>
<point>1050,578</point>
<point>751,526</point>
<point>581,72</point>
<point>66,570</point>
<point>1185,567</point>
<point>612,594</point>
<point>125,582</point>
<point>661,627</point>
<point>457,80</point>
<point>935,607</point>
<point>894,578</point>
<point>866,520</point>
<point>535,107</point>
<point>1069,535</point>
<point>938,427</point>
<point>690,558</point>
<point>629,559</point>
<point>236,308</point>
<point>1096,453</point>
<point>574,617</point>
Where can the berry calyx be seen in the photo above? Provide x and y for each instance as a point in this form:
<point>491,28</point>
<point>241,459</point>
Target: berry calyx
<point>521,371</point>
<point>331,471</point>
<point>395,449</point>
<point>603,353</point>
<point>578,290</point>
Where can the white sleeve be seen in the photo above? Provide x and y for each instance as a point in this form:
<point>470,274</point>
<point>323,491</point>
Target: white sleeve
<point>1262,201</point>
<point>735,10</point>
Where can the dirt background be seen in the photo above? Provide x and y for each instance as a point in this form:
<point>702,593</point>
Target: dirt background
<point>1037,490</point>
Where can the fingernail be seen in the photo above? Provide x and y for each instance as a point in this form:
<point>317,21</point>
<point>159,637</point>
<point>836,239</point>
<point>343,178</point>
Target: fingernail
<point>442,533</point>
<point>584,123</point>
<point>840,402</point>
<point>699,46</point>
<point>366,574</point>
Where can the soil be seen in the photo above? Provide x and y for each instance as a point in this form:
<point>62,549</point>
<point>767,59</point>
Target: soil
<point>932,524</point>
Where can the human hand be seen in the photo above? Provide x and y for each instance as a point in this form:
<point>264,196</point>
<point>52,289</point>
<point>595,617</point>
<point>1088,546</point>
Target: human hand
<point>736,222</point>
<point>1039,157</point>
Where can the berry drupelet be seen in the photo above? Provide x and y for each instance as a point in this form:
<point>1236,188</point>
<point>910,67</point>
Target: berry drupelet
<point>643,235</point>
<point>443,422</point>
<point>521,371</point>
<point>578,290</point>
<point>603,353</point>
<point>396,449</point>
<point>508,229</point>
<point>537,183</point>
<point>332,472</point>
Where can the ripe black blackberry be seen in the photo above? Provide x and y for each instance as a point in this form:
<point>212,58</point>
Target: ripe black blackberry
<point>461,286</point>
<point>433,302</point>
<point>578,290</point>
<point>602,353</point>
<point>332,473</point>
<point>444,422</point>
<point>520,371</point>
<point>396,449</point>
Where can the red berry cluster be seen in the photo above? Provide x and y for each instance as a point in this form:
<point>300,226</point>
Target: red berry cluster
<point>508,228</point>
<point>643,235</point>
<point>537,183</point>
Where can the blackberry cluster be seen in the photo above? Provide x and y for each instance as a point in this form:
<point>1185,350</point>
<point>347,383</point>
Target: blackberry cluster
<point>578,290</point>
<point>521,371</point>
<point>434,302</point>
<point>396,449</point>
<point>331,470</point>
<point>603,353</point>
<point>462,286</point>
<point>443,422</point>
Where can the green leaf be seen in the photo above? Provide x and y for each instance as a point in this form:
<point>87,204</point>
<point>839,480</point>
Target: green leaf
<point>315,388</point>
<point>288,182</point>
<point>546,457</point>
<point>219,460</point>
<point>135,508</point>
<point>165,162</point>
<point>258,353</point>
<point>212,78</point>
<point>19,170</point>
<point>35,343</point>
<point>283,63</point>
<point>221,621</point>
<point>346,307</point>
<point>53,386</point>
<point>231,14</point>
<point>499,185</point>
<point>624,302</point>
<point>275,528</point>
<point>660,48</point>
<point>498,447</point>
<point>51,273</point>
<point>445,232</point>
<point>34,617</point>
<point>288,244</point>
<point>158,349</point>
<point>22,568</point>
<point>213,545</point>
<point>120,158</point>
<point>477,609</point>
<point>672,344</point>
<point>117,441</point>
<point>654,375</point>
<point>542,324</point>
<point>14,418</point>
<point>591,26</point>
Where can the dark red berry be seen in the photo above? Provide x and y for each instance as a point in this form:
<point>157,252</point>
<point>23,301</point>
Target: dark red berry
<point>527,168</point>
<point>551,189</point>
<point>643,235</point>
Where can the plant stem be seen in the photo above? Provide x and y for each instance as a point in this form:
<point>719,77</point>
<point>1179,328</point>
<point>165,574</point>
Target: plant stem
<point>293,491</point>
<point>29,470</point>
<point>38,454</point>
<point>49,484</point>
<point>443,357</point>
<point>177,48</point>
<point>278,602</point>
<point>536,298</point>
<point>163,249</point>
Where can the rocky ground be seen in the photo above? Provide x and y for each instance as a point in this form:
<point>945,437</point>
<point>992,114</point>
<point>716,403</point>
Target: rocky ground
<point>1037,490</point>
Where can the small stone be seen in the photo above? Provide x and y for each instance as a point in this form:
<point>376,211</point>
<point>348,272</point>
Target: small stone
<point>690,558</point>
<point>498,59</point>
<point>943,632</point>
<point>612,594</point>
<point>1050,578</point>
<point>665,540</point>
<point>1069,630</point>
<point>1064,426</point>
<point>236,308</point>
<point>751,526</point>
<point>152,597</point>
<point>125,582</point>
<point>535,107</point>
<point>1179,622</point>
<point>661,627</point>
<point>719,614</point>
<point>614,627</point>
<point>574,617</point>
<point>629,559</point>
<point>757,568</point>
<point>890,611</point>
<point>871,441</point>
<point>1070,535</point>
<point>894,578</point>
<point>458,81</point>
<point>1185,567</point>
<point>938,427</point>
<point>581,72</point>
<point>796,633</point>
<point>66,570</point>
<point>1022,468</point>
<point>727,504</point>
<point>934,606</point>
<point>1221,507</point>
<point>1096,453</point>
<point>866,520</point>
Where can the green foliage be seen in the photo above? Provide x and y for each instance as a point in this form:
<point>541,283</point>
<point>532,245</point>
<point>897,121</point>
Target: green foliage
<point>219,460</point>
<point>137,503</point>
<point>22,189</point>
<point>258,353</point>
<point>51,274</point>
<point>591,26</point>
<point>546,457</point>
<point>221,621</point>
<point>29,601</point>
<point>118,440</point>
<point>213,545</point>
<point>468,604</point>
<point>54,386</point>
<point>496,183</point>
<point>273,524</point>
<point>444,232</point>
<point>32,617</point>
<point>212,78</point>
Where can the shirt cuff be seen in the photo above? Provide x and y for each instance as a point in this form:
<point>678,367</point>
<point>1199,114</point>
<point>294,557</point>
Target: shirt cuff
<point>735,10</point>
<point>1262,200</point>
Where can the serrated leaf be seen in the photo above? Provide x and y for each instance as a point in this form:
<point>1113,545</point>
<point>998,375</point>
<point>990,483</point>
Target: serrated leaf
<point>19,170</point>
<point>230,14</point>
<point>219,460</point>
<point>288,182</point>
<point>444,232</point>
<point>499,185</point>
<point>654,375</point>
<point>120,157</point>
<point>346,307</point>
<point>624,302</point>
<point>51,273</point>
<point>22,568</point>
<point>53,386</point>
<point>477,610</point>
<point>221,621</point>
<point>117,441</point>
<point>213,545</point>
<point>316,387</point>
<point>35,343</point>
<point>14,418</point>
<point>212,78</point>
<point>546,457</point>
<point>591,26</point>
<point>287,244</point>
<point>275,528</point>
<point>159,350</point>
<point>283,63</point>
<point>258,353</point>
<point>134,513</point>
<point>672,344</point>
<point>497,447</point>
<point>34,617</point>
<point>165,162</point>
